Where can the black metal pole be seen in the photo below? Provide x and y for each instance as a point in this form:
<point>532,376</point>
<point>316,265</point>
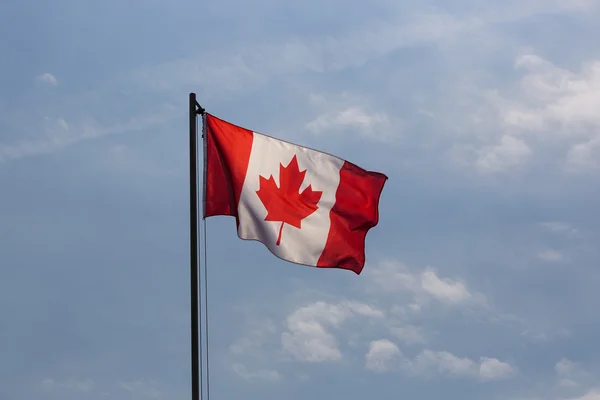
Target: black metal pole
<point>194,248</point>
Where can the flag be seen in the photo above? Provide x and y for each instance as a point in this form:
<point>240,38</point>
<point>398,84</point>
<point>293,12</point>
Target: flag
<point>306,206</point>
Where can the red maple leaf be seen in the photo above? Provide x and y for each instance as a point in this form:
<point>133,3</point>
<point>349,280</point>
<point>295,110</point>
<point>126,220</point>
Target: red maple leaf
<point>285,203</point>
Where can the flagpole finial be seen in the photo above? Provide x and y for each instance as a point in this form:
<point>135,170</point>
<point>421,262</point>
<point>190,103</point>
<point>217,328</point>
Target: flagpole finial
<point>199,109</point>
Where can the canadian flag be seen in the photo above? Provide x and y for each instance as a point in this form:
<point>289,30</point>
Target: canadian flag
<point>305,206</point>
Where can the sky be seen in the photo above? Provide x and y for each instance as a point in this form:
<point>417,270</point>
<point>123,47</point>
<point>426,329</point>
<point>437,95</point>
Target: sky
<point>481,276</point>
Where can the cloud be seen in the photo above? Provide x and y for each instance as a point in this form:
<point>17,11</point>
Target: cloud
<point>547,115</point>
<point>352,117</point>
<point>148,390</point>
<point>257,375</point>
<point>447,363</point>
<point>556,98</point>
<point>60,134</point>
<point>329,331</point>
<point>48,78</point>
<point>570,374</point>
<point>591,395</point>
<point>71,385</point>
<point>350,113</point>
<point>564,367</point>
<point>258,334</point>
<point>584,156</point>
<point>253,356</point>
<point>550,256</point>
<point>494,369</point>
<point>307,337</point>
<point>382,356</point>
<point>557,105</point>
<point>559,227</point>
<point>577,5</point>
<point>566,371</point>
<point>240,68</point>
<point>385,356</point>
<point>408,334</point>
<point>511,152</point>
<point>445,290</point>
<point>392,277</point>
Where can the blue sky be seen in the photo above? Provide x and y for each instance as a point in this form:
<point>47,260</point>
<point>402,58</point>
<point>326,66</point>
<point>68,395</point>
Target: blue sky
<point>482,276</point>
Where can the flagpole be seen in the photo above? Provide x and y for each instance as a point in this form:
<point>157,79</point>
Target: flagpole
<point>194,110</point>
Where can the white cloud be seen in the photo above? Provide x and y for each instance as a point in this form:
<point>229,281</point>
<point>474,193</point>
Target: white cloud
<point>383,356</point>
<point>584,155</point>
<point>48,78</point>
<point>60,134</point>
<point>310,334</point>
<point>310,342</point>
<point>257,375</point>
<point>71,385</point>
<point>350,113</point>
<point>556,98</point>
<point>251,64</point>
<point>558,106</point>
<point>564,367</point>
<point>511,152</point>
<point>238,69</point>
<point>252,356</point>
<point>559,227</point>
<point>392,276</point>
<point>408,334</point>
<point>395,277</point>
<point>494,369</point>
<point>260,333</point>
<point>446,290</point>
<point>577,5</point>
<point>550,110</point>
<point>570,374</point>
<point>352,117</point>
<point>550,256</point>
<point>307,337</point>
<point>446,363</point>
<point>148,390</point>
<point>591,395</point>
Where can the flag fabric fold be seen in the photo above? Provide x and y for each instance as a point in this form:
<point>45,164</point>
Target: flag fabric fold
<point>306,206</point>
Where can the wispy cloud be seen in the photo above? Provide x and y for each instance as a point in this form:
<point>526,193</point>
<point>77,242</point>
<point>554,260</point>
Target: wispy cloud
<point>570,374</point>
<point>143,389</point>
<point>550,255</point>
<point>236,69</point>
<point>60,133</point>
<point>48,78</point>
<point>393,276</point>
<point>257,375</point>
<point>510,153</point>
<point>66,386</point>
<point>307,337</point>
<point>350,113</point>
<point>559,227</point>
<point>591,395</point>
